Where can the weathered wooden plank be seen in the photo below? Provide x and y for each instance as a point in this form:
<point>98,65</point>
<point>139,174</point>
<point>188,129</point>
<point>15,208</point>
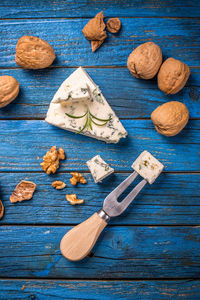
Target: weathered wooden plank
<point>177,37</point>
<point>129,96</point>
<point>173,200</point>
<point>22,142</point>
<point>121,252</point>
<point>106,290</point>
<point>83,8</point>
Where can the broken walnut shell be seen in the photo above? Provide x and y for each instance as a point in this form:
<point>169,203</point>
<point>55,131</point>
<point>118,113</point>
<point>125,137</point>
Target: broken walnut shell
<point>94,30</point>
<point>1,210</point>
<point>173,76</point>
<point>23,191</point>
<point>9,89</point>
<point>145,61</point>
<point>170,118</point>
<point>113,25</point>
<point>34,53</point>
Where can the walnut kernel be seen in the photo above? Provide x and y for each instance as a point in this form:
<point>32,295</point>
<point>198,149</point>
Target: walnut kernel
<point>113,25</point>
<point>73,200</point>
<point>58,185</point>
<point>23,191</point>
<point>77,177</point>
<point>51,160</point>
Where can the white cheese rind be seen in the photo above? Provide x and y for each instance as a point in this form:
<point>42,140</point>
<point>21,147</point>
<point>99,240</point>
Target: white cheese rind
<point>99,168</point>
<point>77,83</point>
<point>147,166</point>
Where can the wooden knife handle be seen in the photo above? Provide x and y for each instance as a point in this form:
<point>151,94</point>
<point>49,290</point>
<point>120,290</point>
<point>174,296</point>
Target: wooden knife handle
<point>78,242</point>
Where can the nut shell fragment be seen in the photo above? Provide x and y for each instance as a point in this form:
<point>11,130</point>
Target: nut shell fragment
<point>1,210</point>
<point>23,191</point>
<point>73,200</point>
<point>173,76</point>
<point>144,62</point>
<point>34,53</point>
<point>58,185</point>
<point>94,30</point>
<point>113,25</point>
<point>170,118</point>
<point>9,89</point>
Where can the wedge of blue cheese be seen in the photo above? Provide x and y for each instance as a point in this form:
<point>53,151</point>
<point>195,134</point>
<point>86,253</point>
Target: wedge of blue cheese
<point>99,168</point>
<point>77,94</point>
<point>147,166</point>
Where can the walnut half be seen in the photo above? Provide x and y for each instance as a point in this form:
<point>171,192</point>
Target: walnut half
<point>73,200</point>
<point>58,185</point>
<point>77,177</point>
<point>51,160</point>
<point>23,191</point>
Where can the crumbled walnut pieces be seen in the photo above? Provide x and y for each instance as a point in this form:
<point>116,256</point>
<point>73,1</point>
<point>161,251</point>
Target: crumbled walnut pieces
<point>113,25</point>
<point>73,200</point>
<point>1,210</point>
<point>77,177</point>
<point>51,160</point>
<point>23,191</point>
<point>58,185</point>
<point>96,44</point>
<point>94,30</point>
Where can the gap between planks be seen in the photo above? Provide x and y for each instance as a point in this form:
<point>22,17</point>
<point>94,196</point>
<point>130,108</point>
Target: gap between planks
<point>50,225</point>
<point>97,279</point>
<point>89,17</point>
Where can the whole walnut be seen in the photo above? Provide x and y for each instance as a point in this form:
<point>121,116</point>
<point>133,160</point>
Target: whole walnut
<point>33,53</point>
<point>144,62</point>
<point>172,76</point>
<point>9,89</point>
<point>170,118</point>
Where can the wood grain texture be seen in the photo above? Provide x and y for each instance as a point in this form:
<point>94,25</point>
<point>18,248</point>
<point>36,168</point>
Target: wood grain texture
<point>102,290</point>
<point>27,140</point>
<point>111,8</point>
<point>178,38</point>
<point>129,97</point>
<point>156,204</point>
<point>169,252</point>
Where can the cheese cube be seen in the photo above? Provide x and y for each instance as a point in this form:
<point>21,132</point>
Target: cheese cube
<point>99,168</point>
<point>147,166</point>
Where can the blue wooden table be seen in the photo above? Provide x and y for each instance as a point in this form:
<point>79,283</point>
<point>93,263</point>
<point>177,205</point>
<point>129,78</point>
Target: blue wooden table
<point>152,251</point>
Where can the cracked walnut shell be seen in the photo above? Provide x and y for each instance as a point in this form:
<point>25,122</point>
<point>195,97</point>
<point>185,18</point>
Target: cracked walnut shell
<point>77,177</point>
<point>9,89</point>
<point>94,30</point>
<point>58,185</point>
<point>173,76</point>
<point>51,160</point>
<point>1,210</point>
<point>170,118</point>
<point>73,200</point>
<point>113,25</point>
<point>23,191</point>
<point>145,61</point>
<point>33,53</point>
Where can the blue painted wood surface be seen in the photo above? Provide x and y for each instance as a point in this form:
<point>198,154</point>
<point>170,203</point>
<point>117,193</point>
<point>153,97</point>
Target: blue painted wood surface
<point>104,290</point>
<point>178,205</point>
<point>158,236</point>
<point>34,138</point>
<point>129,97</point>
<point>177,37</point>
<point>121,252</point>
